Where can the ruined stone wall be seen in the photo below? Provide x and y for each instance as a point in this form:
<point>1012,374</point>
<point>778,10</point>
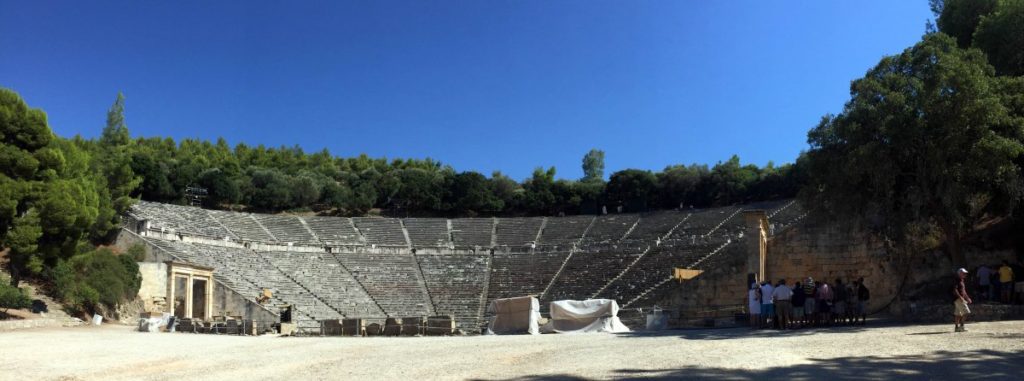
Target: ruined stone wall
<point>153,291</point>
<point>829,252</point>
<point>154,276</point>
<point>717,293</point>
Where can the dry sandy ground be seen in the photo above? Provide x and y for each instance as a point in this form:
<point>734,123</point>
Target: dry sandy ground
<point>989,350</point>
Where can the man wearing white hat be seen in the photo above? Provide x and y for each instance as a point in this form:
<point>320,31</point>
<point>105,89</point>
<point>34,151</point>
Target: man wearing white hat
<point>960,310</point>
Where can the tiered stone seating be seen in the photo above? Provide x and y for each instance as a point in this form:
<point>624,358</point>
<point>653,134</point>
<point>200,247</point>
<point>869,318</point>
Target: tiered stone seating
<point>654,267</point>
<point>258,271</point>
<point>730,255</point>
<point>227,276</point>
<point>564,230</point>
<point>391,279</point>
<point>321,274</point>
<point>243,226</point>
<point>287,229</point>
<point>381,231</point>
<point>785,216</point>
<point>248,274</point>
<point>515,274</point>
<point>201,222</point>
<point>470,232</point>
<point>700,223</point>
<point>179,219</point>
<point>456,283</point>
<point>428,232</point>
<point>589,269</point>
<point>655,225</point>
<point>731,227</point>
<point>610,228</point>
<point>517,231</point>
<point>335,230</point>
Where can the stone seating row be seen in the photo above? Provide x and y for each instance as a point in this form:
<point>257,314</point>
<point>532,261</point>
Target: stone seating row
<point>335,230</point>
<point>322,275</point>
<point>462,232</point>
<point>610,228</point>
<point>172,218</point>
<point>517,231</point>
<point>653,226</point>
<point>455,284</point>
<point>654,267</point>
<point>565,230</point>
<point>287,229</point>
<point>392,280</point>
<point>381,231</point>
<point>243,225</point>
<point>471,232</point>
<point>586,271</point>
<point>521,274</point>
<point>428,232</point>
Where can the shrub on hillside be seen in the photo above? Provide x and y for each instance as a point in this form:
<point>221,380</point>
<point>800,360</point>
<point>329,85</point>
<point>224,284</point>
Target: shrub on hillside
<point>99,277</point>
<point>12,297</point>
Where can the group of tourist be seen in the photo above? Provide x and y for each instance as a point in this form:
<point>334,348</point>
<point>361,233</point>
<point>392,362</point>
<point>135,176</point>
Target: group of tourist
<point>807,303</point>
<point>996,282</point>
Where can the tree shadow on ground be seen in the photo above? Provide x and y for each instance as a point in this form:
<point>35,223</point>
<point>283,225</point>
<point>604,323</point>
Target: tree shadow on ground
<point>941,365</point>
<point>743,332</point>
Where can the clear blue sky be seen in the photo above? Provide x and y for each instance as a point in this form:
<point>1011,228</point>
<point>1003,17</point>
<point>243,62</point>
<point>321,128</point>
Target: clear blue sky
<point>480,85</point>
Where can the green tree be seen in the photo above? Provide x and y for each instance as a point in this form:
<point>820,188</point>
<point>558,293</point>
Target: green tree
<point>471,193</point>
<point>677,184</point>
<point>420,189</point>
<point>960,18</point>
<point>538,196</point>
<point>1000,35</point>
<point>593,165</point>
<point>269,189</point>
<point>633,189</point>
<point>114,161</point>
<point>924,144</point>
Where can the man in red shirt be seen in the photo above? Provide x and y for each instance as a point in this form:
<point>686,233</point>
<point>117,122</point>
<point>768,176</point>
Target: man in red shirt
<point>960,301</point>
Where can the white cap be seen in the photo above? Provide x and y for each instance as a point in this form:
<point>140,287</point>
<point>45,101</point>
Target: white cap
<point>962,270</point>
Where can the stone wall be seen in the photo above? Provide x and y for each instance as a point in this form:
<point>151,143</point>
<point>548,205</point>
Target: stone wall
<point>154,272</point>
<point>827,252</point>
<point>154,285</point>
<point>821,251</point>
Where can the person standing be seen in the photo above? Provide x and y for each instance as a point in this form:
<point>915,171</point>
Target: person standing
<point>985,282</point>
<point>798,304</point>
<point>767,307</point>
<point>782,295</point>
<point>863,295</point>
<point>960,301</point>
<point>754,305</point>
<point>824,302</point>
<point>839,301</point>
<point>810,308</point>
<point>1005,282</point>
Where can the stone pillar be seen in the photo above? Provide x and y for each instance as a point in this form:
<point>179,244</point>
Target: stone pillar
<point>756,238</point>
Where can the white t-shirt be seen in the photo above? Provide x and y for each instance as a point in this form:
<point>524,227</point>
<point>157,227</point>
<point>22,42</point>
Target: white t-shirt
<point>782,292</point>
<point>766,292</point>
<point>752,302</point>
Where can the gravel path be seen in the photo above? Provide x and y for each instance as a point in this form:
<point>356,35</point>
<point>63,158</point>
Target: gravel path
<point>990,350</point>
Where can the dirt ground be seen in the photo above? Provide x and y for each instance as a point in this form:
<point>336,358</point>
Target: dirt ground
<point>988,351</point>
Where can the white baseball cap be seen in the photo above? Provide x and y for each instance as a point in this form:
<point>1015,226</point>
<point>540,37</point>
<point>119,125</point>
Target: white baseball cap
<point>962,270</point>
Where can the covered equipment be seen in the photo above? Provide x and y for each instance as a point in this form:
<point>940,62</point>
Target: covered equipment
<point>514,315</point>
<point>585,316</point>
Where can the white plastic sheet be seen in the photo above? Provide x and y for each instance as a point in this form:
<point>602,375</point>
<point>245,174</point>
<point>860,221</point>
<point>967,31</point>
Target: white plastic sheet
<point>586,316</point>
<point>514,315</point>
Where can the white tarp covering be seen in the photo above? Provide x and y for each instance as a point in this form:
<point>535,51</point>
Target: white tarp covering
<point>514,315</point>
<point>585,316</point>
